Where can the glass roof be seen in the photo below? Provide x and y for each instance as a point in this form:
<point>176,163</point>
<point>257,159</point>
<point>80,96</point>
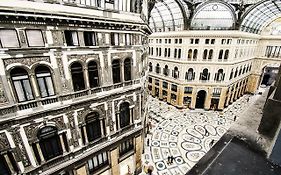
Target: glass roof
<point>260,16</point>
<point>213,16</point>
<point>167,15</point>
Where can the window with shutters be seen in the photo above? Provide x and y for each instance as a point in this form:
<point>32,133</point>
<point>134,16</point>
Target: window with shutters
<point>93,72</point>
<point>157,68</point>
<point>205,75</point>
<point>174,88</point>
<point>190,74</point>
<point>77,76</point>
<point>116,71</point>
<point>216,91</point>
<point>90,38</point>
<point>98,161</point>
<point>44,81</point>
<point>166,70</point>
<point>9,38</point>
<point>219,76</point>
<point>127,69</point>
<point>71,38</point>
<point>165,84</point>
<point>188,90</point>
<point>126,147</point>
<point>176,72</point>
<point>34,38</point>
<point>49,142</point>
<point>21,84</point>
<point>94,126</point>
<point>150,67</point>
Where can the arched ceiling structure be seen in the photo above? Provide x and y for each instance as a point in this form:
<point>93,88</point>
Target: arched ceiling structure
<point>168,15</point>
<point>246,15</point>
<point>260,15</point>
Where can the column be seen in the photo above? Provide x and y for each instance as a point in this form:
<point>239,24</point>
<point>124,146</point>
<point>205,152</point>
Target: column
<point>122,70</point>
<point>9,164</point>
<point>86,78</point>
<point>102,129</point>
<point>34,86</point>
<point>62,143</point>
<point>40,152</point>
<point>85,134</point>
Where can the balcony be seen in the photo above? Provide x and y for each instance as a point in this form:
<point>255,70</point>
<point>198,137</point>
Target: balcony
<point>40,103</point>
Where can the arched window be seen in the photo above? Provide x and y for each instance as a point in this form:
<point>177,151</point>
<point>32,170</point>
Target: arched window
<point>93,126</point>
<point>195,53</point>
<point>127,69</point>
<point>166,70</point>
<point>226,54</point>
<point>150,67</point>
<point>231,74</point>
<point>4,168</point>
<point>189,56</point>
<point>190,74</point>
<point>49,142</point>
<point>236,72</point>
<point>220,54</point>
<point>124,115</point>
<point>205,75</point>
<point>240,71</point>
<point>205,54</point>
<point>21,84</point>
<point>176,72</point>
<point>220,75</point>
<point>77,77</point>
<point>210,54</point>
<point>93,72</point>
<point>116,71</point>
<point>157,68</point>
<point>45,82</point>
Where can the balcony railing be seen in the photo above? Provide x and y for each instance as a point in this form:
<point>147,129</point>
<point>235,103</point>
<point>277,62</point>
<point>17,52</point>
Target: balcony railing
<point>75,95</point>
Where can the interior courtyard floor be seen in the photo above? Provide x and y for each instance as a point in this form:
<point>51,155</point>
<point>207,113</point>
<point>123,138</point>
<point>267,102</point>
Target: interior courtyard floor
<point>187,135</point>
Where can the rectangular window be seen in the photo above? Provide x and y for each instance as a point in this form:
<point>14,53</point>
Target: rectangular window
<point>188,90</point>
<point>71,38</point>
<point>90,38</point>
<point>176,41</point>
<point>34,38</point>
<point>216,91</point>
<point>213,41</point>
<point>170,41</point>
<point>223,41</point>
<point>191,41</point>
<point>180,41</point>
<point>157,82</point>
<point>97,162</point>
<point>196,41</point>
<point>207,41</point>
<point>173,96</point>
<point>165,84</point>
<point>9,38</point>
<point>150,80</point>
<point>126,146</point>
<point>174,88</point>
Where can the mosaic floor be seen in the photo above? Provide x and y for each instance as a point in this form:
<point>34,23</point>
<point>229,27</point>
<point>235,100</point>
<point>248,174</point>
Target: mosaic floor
<point>186,135</point>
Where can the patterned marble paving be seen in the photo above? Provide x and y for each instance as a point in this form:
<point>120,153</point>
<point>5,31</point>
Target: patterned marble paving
<point>184,134</point>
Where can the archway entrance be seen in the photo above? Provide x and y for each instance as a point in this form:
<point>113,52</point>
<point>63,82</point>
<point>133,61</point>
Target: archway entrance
<point>200,99</point>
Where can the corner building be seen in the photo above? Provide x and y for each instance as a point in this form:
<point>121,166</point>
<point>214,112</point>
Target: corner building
<point>207,54</point>
<point>71,88</point>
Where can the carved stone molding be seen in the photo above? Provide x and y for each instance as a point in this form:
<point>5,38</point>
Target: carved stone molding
<point>4,144</point>
<point>122,55</point>
<point>19,150</point>
<point>3,98</point>
<point>74,133</point>
<point>26,61</point>
<point>84,57</point>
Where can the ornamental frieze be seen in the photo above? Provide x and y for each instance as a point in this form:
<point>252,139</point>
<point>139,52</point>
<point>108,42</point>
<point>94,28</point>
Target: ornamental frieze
<point>26,61</point>
<point>122,55</point>
<point>19,150</point>
<point>4,144</point>
<point>31,131</point>
<point>83,57</point>
<point>59,122</point>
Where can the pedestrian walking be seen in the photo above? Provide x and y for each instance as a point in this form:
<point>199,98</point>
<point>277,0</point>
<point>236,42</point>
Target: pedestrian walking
<point>212,142</point>
<point>169,160</point>
<point>235,118</point>
<point>172,159</point>
<point>147,141</point>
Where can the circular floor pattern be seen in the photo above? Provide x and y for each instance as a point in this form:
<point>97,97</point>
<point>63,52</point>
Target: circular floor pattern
<point>186,135</point>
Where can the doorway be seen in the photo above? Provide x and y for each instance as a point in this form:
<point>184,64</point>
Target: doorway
<point>200,99</point>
